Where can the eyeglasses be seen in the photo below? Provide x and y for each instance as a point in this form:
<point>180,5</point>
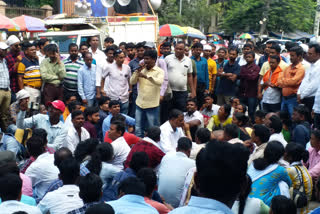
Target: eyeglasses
<point>17,45</point>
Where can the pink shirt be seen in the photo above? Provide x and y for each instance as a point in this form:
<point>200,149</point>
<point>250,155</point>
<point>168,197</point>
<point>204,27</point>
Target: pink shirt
<point>162,209</point>
<point>314,162</point>
<point>26,185</point>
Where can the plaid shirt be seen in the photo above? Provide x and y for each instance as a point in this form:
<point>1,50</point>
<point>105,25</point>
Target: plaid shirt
<point>154,153</point>
<point>4,75</point>
<point>11,60</point>
<point>83,209</point>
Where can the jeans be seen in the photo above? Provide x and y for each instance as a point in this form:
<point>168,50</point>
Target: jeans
<point>223,99</point>
<point>179,100</point>
<point>289,104</point>
<point>132,107</point>
<point>201,87</point>
<point>124,107</point>
<point>271,107</point>
<point>91,102</point>
<point>146,118</point>
<point>251,102</point>
<point>5,98</point>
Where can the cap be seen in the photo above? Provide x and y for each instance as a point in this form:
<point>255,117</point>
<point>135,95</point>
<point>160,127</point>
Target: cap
<point>203,42</point>
<point>150,45</point>
<point>22,94</point>
<point>207,47</point>
<point>12,40</point>
<point>3,45</point>
<point>7,156</point>
<point>57,104</point>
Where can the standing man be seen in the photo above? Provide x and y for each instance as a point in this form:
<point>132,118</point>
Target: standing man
<point>180,75</point>
<point>97,54</point>
<point>166,49</point>
<point>100,71</point>
<point>290,79</point>
<point>108,42</point>
<point>131,52</point>
<point>41,54</point>
<point>87,81</point>
<point>52,72</point>
<point>309,85</point>
<point>202,86</point>
<point>134,65</point>
<point>212,67</point>
<point>72,65</point>
<point>29,77</point>
<point>150,78</point>
<point>13,59</point>
<point>265,57</point>
<point>5,93</point>
<point>228,76</point>
<point>117,86</point>
<point>84,48</point>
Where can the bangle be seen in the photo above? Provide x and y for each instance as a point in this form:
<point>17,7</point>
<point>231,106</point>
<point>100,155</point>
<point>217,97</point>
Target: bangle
<point>188,132</point>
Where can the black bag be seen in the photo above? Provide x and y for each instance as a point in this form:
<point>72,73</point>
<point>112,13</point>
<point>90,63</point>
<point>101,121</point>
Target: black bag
<point>299,195</point>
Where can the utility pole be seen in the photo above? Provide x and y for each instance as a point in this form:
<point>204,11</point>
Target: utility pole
<point>317,20</point>
<point>180,8</point>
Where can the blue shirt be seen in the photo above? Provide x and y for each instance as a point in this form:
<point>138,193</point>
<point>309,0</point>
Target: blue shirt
<point>57,133</point>
<point>111,192</point>
<point>226,86</point>
<point>201,205</point>
<point>134,65</point>
<point>26,200</point>
<point>106,123</point>
<point>133,204</point>
<point>87,82</point>
<point>202,71</point>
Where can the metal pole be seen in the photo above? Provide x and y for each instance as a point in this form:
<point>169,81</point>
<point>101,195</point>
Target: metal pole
<point>180,9</point>
<point>316,21</point>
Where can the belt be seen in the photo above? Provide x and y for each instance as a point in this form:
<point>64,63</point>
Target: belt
<point>290,96</point>
<point>4,89</point>
<point>30,86</point>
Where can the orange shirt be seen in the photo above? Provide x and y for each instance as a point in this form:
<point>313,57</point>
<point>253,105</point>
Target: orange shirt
<point>161,208</point>
<point>290,79</point>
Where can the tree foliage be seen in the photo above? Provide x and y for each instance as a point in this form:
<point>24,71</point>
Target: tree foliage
<point>286,15</point>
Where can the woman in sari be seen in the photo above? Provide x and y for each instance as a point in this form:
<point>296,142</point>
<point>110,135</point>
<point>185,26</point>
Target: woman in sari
<point>268,177</point>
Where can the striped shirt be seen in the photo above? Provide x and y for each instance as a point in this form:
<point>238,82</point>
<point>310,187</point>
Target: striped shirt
<point>4,75</point>
<point>30,70</point>
<point>71,79</point>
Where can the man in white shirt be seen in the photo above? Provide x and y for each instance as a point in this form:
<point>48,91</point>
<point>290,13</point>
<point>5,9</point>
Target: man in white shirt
<point>42,171</point>
<point>119,144</point>
<point>76,132</point>
<point>173,170</point>
<point>231,134</point>
<point>66,198</point>
<point>117,86</point>
<point>10,193</point>
<point>41,54</point>
<point>171,131</point>
<point>273,122</point>
<point>180,76</point>
<point>193,117</point>
<point>97,54</point>
<point>309,85</point>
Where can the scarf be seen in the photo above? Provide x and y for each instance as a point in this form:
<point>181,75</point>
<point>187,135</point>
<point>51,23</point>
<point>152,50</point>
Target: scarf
<point>272,77</point>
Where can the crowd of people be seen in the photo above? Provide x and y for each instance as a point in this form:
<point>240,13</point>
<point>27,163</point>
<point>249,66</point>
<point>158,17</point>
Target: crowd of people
<point>137,128</point>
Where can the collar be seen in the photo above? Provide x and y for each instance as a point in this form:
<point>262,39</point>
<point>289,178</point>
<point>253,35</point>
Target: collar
<point>149,140</point>
<point>297,163</point>
<point>58,125</point>
<point>71,59</point>
<point>133,198</point>
<point>315,151</point>
<point>194,58</point>
<point>208,203</point>
<point>184,57</point>
<point>30,60</point>
<point>181,154</point>
<point>299,65</point>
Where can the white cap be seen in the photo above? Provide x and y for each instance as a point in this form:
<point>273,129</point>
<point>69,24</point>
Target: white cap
<point>203,42</point>
<point>3,46</point>
<point>304,47</point>
<point>12,40</point>
<point>150,45</point>
<point>207,47</point>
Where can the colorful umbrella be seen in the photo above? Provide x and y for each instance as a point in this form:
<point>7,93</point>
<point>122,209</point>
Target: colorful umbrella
<point>194,33</point>
<point>29,24</point>
<point>170,30</point>
<point>15,28</point>
<point>215,36</point>
<point>246,36</point>
<point>5,22</point>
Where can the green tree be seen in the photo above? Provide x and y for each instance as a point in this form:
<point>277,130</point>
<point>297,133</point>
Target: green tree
<point>286,15</point>
<point>168,13</point>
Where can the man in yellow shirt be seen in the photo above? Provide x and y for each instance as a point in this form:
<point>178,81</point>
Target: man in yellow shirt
<point>150,78</point>
<point>212,67</point>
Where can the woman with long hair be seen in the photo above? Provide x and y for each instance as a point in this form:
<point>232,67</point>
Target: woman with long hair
<point>268,177</point>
